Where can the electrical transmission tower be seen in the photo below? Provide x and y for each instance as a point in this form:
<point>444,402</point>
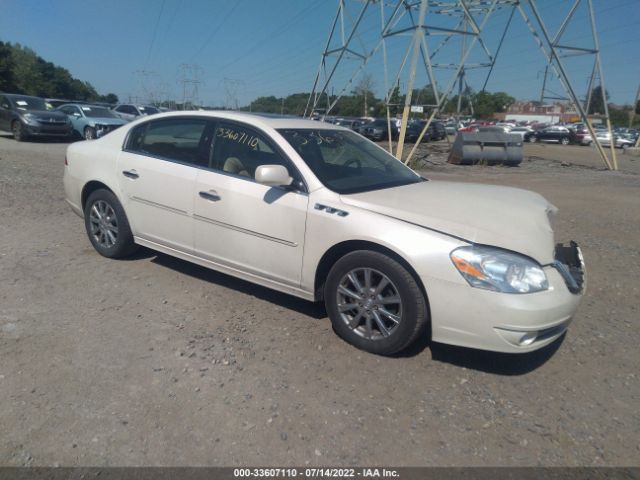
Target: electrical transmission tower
<point>147,86</point>
<point>189,77</point>
<point>231,87</point>
<point>442,42</point>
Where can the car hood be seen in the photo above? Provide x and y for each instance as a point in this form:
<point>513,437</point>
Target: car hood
<point>510,218</point>
<point>44,114</point>
<point>106,120</point>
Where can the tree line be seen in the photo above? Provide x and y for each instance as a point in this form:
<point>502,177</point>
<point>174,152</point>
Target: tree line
<point>362,102</point>
<point>23,71</point>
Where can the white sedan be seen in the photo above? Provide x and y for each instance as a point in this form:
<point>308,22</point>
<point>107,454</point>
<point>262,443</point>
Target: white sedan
<point>319,212</point>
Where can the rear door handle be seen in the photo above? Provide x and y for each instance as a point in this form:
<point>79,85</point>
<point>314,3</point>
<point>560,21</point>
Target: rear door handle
<point>130,174</point>
<point>210,195</point>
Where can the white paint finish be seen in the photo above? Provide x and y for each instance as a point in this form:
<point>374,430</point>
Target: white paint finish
<point>159,203</point>
<point>254,227</point>
<point>506,217</point>
<point>276,238</point>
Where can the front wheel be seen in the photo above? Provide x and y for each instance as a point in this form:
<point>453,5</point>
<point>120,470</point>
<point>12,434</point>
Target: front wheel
<point>107,225</point>
<point>89,133</point>
<point>533,139</point>
<point>18,131</point>
<point>374,303</point>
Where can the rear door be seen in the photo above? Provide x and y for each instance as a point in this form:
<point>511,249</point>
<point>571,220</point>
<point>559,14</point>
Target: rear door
<point>243,224</point>
<point>157,172</point>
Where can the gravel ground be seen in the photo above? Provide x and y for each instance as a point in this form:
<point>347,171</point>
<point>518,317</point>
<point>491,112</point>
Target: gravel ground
<point>154,361</point>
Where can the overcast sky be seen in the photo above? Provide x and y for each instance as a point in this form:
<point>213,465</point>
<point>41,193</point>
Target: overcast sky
<point>249,48</point>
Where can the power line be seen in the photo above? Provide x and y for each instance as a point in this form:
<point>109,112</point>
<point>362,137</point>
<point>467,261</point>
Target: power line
<point>217,29</point>
<point>155,31</point>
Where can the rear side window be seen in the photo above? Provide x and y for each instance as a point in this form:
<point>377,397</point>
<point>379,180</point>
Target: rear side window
<point>177,139</point>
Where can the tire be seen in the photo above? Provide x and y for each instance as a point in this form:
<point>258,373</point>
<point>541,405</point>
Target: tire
<point>564,141</point>
<point>533,139</point>
<point>383,324</point>
<point>107,225</point>
<point>89,133</point>
<point>18,131</point>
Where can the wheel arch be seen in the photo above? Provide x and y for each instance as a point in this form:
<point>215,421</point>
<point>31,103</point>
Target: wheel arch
<point>91,187</point>
<point>341,249</point>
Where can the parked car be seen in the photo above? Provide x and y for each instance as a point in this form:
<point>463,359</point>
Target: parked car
<point>316,211</point>
<point>604,138</point>
<point>522,131</point>
<point>378,130</point>
<point>437,130</point>
<point>91,121</point>
<point>452,127</point>
<point>130,112</point>
<point>556,134</point>
<point>414,129</point>
<point>27,116</point>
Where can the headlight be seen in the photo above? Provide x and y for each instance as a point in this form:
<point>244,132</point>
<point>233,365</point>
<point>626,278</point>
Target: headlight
<point>30,118</point>
<point>498,270</point>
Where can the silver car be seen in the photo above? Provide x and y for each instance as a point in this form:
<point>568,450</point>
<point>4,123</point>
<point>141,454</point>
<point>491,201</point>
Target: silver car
<point>317,211</point>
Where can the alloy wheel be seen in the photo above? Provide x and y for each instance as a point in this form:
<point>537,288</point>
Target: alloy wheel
<point>369,303</point>
<point>103,224</point>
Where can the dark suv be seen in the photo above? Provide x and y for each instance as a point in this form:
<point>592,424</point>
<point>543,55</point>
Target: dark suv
<point>378,130</point>
<point>559,134</point>
<point>26,116</point>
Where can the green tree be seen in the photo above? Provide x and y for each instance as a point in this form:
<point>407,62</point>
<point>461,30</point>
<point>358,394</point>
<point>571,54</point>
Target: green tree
<point>7,81</point>
<point>597,101</point>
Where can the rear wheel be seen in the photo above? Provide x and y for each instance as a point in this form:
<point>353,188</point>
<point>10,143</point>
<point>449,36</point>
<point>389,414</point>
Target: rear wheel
<point>374,303</point>
<point>107,225</point>
<point>564,141</point>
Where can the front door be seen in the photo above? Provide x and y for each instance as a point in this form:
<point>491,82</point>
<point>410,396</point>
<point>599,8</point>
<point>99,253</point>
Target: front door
<point>243,224</point>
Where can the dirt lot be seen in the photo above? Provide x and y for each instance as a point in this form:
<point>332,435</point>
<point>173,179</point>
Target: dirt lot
<point>154,361</point>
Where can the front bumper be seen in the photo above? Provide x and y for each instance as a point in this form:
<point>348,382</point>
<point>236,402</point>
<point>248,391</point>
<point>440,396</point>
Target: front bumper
<point>103,129</point>
<point>512,323</point>
<point>49,129</point>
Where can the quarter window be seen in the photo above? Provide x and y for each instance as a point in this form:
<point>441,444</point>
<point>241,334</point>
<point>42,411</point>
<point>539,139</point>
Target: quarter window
<point>178,139</point>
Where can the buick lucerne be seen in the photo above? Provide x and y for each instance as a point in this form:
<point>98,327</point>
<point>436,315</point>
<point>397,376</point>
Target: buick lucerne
<point>318,211</point>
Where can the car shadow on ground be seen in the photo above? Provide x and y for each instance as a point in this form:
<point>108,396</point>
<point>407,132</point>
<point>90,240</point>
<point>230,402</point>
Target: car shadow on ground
<point>310,309</point>
<point>510,364</point>
<point>480,360</point>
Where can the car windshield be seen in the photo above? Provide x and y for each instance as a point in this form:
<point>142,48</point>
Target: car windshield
<point>30,103</point>
<point>98,112</point>
<point>347,163</point>
<point>149,110</point>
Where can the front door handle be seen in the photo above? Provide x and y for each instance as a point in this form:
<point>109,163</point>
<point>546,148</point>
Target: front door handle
<point>130,174</point>
<point>210,195</point>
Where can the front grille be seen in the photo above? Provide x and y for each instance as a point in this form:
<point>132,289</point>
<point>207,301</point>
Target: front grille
<point>51,122</point>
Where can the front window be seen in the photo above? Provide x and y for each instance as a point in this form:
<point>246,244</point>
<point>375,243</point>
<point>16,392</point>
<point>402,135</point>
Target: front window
<point>148,110</point>
<point>347,163</point>
<point>98,112</point>
<point>29,103</point>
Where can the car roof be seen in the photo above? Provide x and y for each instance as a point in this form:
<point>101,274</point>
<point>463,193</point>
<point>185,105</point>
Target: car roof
<point>20,95</point>
<point>256,119</point>
<point>85,105</point>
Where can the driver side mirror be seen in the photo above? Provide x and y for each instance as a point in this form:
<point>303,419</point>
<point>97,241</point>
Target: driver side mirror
<point>273,175</point>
